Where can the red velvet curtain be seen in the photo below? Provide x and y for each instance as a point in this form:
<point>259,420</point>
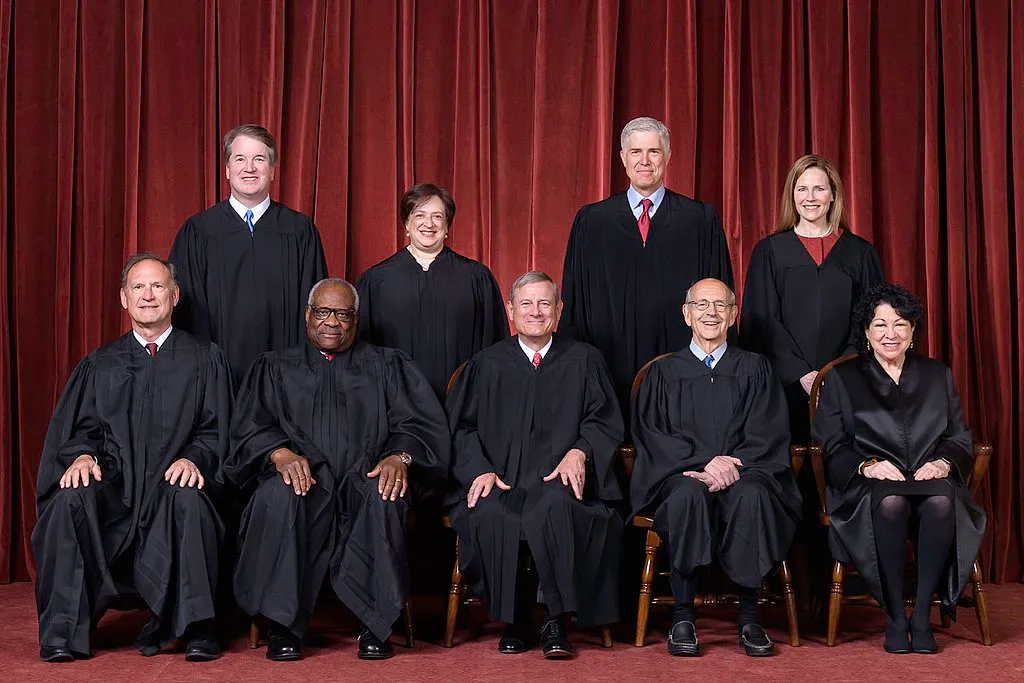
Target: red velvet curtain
<point>112,114</point>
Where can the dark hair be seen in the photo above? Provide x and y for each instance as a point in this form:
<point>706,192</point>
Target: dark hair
<point>422,192</point>
<point>147,256</point>
<point>251,130</point>
<point>903,301</point>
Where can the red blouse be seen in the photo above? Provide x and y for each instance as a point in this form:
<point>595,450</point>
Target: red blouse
<point>819,247</point>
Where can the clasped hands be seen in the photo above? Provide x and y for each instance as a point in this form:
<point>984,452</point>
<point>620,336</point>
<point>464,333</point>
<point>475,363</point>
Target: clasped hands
<point>182,472</point>
<point>391,472</point>
<point>721,472</point>
<point>572,469</point>
<point>883,469</point>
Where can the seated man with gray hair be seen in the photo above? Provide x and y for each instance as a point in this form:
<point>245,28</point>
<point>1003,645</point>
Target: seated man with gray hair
<point>329,433</point>
<point>535,425</point>
<point>711,430</point>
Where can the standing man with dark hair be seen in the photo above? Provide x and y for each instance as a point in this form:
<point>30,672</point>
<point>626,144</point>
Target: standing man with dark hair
<point>246,265</point>
<point>631,258</point>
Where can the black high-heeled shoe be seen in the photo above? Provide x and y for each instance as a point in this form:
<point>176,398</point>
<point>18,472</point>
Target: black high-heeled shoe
<point>897,641</point>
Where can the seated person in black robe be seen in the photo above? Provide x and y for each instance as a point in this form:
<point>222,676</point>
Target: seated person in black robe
<point>329,433</point>
<point>536,425</point>
<point>136,441</point>
<point>895,447</point>
<point>712,465</point>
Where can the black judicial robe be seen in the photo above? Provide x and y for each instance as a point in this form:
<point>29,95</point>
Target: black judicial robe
<point>246,292</point>
<point>136,415</point>
<point>625,298</point>
<point>344,415</point>
<point>863,414</point>
<point>797,313</point>
<point>686,414</point>
<point>519,421</point>
<point>440,317</point>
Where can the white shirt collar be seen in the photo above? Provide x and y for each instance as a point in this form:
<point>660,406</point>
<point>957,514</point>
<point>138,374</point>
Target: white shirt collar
<point>159,340</point>
<point>257,211</point>
<point>635,198</point>
<point>716,355</point>
<point>529,352</point>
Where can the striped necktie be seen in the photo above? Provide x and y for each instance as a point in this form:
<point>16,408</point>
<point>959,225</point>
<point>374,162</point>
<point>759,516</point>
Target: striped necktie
<point>249,221</point>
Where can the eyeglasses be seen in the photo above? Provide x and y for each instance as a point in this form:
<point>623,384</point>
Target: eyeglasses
<point>703,304</point>
<point>344,315</point>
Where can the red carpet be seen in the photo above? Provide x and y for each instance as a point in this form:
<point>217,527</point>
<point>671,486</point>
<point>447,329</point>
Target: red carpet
<point>332,654</point>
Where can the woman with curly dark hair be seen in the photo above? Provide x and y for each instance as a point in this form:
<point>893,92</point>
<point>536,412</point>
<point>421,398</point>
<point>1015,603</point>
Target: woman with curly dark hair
<point>895,448</point>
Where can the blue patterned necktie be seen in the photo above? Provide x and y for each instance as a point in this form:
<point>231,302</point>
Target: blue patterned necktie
<point>708,360</point>
<point>248,220</point>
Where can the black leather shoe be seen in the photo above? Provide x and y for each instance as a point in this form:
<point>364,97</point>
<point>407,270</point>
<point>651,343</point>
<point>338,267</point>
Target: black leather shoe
<point>55,654</point>
<point>151,638</point>
<point>513,640</point>
<point>202,650</point>
<point>282,645</point>
<point>372,647</point>
<point>755,641</point>
<point>923,640</point>
<point>897,641</point>
<point>682,640</point>
<point>554,640</point>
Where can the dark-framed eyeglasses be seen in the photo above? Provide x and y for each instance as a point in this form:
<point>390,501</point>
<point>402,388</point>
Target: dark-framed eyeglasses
<point>344,315</point>
<point>702,305</point>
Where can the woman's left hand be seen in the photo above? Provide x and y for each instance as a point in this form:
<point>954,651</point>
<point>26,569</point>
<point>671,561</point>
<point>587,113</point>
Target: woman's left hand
<point>936,469</point>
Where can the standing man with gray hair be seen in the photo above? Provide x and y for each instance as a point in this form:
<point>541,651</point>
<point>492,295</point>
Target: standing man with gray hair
<point>246,265</point>
<point>631,258</point>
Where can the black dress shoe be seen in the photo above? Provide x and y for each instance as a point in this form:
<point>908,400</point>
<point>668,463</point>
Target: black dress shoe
<point>152,637</point>
<point>372,647</point>
<point>282,645</point>
<point>202,650</point>
<point>923,640</point>
<point>513,640</point>
<point>682,640</point>
<point>755,641</point>
<point>896,640</point>
<point>55,654</point>
<point>554,640</point>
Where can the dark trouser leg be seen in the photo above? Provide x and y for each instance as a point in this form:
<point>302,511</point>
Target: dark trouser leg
<point>684,588</point>
<point>890,519</point>
<point>748,606</point>
<point>936,530</point>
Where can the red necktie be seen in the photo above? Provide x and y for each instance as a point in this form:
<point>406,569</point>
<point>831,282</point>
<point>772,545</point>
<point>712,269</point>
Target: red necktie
<point>536,359</point>
<point>151,347</point>
<point>644,222</point>
<point>329,356</point>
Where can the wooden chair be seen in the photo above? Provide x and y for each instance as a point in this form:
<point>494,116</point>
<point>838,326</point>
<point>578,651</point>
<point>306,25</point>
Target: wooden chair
<point>797,454</point>
<point>837,596</point>
<point>457,595</point>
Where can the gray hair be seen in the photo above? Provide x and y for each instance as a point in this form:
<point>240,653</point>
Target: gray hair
<point>147,256</point>
<point>530,278</point>
<point>646,124</point>
<point>338,282</point>
<point>730,298</point>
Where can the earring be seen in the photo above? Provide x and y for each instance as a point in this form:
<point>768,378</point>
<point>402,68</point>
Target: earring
<point>867,346</point>
<point>407,234</point>
<point>911,343</point>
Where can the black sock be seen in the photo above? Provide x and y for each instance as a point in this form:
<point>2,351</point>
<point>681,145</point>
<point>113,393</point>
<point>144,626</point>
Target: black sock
<point>683,590</point>
<point>748,606</point>
<point>684,612</point>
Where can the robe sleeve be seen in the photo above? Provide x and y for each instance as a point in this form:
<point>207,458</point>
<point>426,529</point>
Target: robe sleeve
<point>416,422</point>
<point>209,442</point>
<point>313,270</point>
<point>601,429</point>
<point>365,287</point>
<point>75,429</point>
<point>713,260</point>
<point>761,326</point>
<point>833,431</point>
<point>955,444</point>
<point>869,276</point>
<point>188,254</point>
<point>491,306</point>
<point>255,426</point>
<point>469,459</point>
<point>571,325</point>
<point>765,443</point>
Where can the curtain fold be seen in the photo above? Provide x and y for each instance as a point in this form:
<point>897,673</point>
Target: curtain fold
<point>112,116</point>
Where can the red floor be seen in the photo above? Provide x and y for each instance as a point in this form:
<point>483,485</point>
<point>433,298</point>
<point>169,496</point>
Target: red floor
<point>332,654</point>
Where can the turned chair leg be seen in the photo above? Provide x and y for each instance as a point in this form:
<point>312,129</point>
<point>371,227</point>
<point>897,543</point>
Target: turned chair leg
<point>646,579</point>
<point>454,598</point>
<point>790,598</point>
<point>254,635</point>
<point>835,602</point>
<point>606,636</point>
<point>410,635</point>
<point>980,603</point>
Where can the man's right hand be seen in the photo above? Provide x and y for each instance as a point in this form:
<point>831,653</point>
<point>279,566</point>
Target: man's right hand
<point>79,471</point>
<point>294,470</point>
<point>482,485</point>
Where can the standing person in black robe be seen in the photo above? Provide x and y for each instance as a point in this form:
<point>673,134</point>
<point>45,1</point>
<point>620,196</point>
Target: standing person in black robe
<point>895,447</point>
<point>136,442</point>
<point>712,465</point>
<point>631,258</point>
<point>427,300</point>
<point>802,285</point>
<point>330,432</point>
<point>535,425</point>
<point>246,265</point>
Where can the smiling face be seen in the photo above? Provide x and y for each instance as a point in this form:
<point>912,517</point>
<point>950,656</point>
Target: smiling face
<point>889,334</point>
<point>428,226</point>
<point>149,296</point>
<point>712,324</point>
<point>535,311</point>
<point>332,335</point>
<point>812,195</point>
<point>644,158</point>
<point>248,170</point>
